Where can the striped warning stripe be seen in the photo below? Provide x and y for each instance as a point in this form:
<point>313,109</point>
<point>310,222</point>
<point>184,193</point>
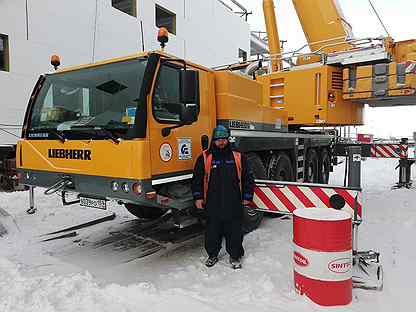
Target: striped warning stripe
<point>410,67</point>
<point>389,151</point>
<point>287,198</point>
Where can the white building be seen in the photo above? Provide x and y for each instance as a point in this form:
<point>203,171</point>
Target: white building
<point>85,31</point>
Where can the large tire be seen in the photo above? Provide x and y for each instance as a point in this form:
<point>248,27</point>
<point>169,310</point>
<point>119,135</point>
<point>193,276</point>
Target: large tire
<point>252,218</point>
<point>280,168</point>
<point>312,167</point>
<point>324,167</point>
<point>145,212</point>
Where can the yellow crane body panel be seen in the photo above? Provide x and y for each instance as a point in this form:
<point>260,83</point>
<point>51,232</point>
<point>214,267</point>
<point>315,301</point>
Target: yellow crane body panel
<point>405,51</point>
<point>239,98</point>
<point>378,84</point>
<point>311,97</point>
<point>129,159</point>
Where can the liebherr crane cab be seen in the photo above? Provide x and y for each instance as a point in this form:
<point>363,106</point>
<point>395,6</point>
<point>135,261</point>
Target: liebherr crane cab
<point>130,130</point>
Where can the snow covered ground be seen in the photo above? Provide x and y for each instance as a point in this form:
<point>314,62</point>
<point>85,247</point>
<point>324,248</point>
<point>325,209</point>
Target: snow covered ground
<point>63,275</point>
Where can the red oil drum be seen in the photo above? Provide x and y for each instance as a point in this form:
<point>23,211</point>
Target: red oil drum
<point>322,255</point>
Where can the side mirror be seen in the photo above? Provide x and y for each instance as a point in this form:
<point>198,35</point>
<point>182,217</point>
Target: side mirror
<point>189,114</point>
<point>189,87</point>
<point>204,142</point>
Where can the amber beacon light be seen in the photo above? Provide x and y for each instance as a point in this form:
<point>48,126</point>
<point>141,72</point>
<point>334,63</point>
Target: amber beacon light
<point>55,61</point>
<point>163,37</point>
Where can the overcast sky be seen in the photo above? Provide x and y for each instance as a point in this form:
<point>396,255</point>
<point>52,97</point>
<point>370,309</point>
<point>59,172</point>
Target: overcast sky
<point>398,16</point>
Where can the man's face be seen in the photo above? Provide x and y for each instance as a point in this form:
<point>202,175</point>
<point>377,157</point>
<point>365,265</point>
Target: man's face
<point>221,143</point>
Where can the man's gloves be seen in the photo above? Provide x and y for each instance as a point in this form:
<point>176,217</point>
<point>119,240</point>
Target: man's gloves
<point>199,203</point>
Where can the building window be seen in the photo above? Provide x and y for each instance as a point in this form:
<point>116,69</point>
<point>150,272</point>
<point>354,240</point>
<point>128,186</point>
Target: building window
<point>165,18</point>
<point>126,6</point>
<point>4,53</point>
<point>242,55</point>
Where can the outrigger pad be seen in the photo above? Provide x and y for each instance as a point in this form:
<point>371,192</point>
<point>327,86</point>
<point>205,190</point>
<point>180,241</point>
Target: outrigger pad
<point>367,272</point>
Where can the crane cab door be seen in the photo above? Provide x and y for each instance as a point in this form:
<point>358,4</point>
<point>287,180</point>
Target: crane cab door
<point>173,156</point>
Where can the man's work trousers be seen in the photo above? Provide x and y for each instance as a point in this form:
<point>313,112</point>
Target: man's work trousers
<point>231,230</point>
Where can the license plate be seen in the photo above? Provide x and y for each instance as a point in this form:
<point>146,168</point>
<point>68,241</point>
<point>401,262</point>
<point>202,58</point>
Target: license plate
<point>93,202</point>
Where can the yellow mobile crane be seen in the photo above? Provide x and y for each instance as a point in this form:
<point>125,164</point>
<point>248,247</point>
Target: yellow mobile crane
<point>130,129</point>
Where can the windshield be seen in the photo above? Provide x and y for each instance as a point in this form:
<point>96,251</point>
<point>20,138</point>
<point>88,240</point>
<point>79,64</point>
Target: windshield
<point>99,98</point>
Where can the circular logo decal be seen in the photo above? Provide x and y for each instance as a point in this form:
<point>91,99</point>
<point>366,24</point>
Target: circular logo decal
<point>165,152</point>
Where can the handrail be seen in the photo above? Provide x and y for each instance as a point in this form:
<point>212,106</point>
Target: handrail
<point>287,56</point>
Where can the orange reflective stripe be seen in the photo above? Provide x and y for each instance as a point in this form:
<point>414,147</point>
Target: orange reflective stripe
<point>208,167</point>
<point>237,159</point>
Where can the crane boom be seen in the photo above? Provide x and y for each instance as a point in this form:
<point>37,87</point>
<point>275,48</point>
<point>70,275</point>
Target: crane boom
<point>273,34</point>
<point>324,25</point>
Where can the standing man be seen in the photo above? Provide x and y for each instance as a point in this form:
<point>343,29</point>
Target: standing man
<point>222,184</point>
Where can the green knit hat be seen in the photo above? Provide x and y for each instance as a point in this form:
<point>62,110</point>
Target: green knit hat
<point>221,132</point>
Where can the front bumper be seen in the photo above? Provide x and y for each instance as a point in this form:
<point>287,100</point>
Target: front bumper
<point>92,186</point>
<point>100,187</point>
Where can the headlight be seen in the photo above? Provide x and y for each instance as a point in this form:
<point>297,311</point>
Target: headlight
<point>125,187</point>
<point>115,186</point>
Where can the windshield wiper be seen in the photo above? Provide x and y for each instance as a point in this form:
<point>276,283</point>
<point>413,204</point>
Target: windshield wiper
<point>99,131</point>
<point>59,134</point>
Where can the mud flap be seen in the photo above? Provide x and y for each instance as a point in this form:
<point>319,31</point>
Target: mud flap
<point>367,271</point>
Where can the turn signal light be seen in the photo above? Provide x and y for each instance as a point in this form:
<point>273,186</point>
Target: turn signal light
<point>137,188</point>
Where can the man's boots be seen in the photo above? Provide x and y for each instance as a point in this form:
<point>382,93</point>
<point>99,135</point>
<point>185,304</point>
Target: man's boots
<point>235,263</point>
<point>211,261</point>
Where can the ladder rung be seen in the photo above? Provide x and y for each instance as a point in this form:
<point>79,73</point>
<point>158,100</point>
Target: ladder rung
<point>277,96</point>
<point>277,85</point>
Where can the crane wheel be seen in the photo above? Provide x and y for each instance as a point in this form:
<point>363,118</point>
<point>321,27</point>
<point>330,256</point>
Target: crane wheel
<point>252,218</point>
<point>145,212</point>
<point>280,168</point>
<point>324,167</point>
<point>312,167</point>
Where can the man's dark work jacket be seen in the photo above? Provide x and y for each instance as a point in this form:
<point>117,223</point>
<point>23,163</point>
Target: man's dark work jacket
<point>224,198</point>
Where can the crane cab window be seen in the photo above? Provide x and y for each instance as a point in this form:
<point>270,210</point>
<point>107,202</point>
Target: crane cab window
<point>166,98</point>
<point>4,53</point>
<point>166,95</point>
<point>126,6</point>
<point>165,18</point>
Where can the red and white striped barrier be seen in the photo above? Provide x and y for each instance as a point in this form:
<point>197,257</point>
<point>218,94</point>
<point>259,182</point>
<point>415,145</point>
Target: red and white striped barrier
<point>410,67</point>
<point>286,197</point>
<point>389,150</point>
